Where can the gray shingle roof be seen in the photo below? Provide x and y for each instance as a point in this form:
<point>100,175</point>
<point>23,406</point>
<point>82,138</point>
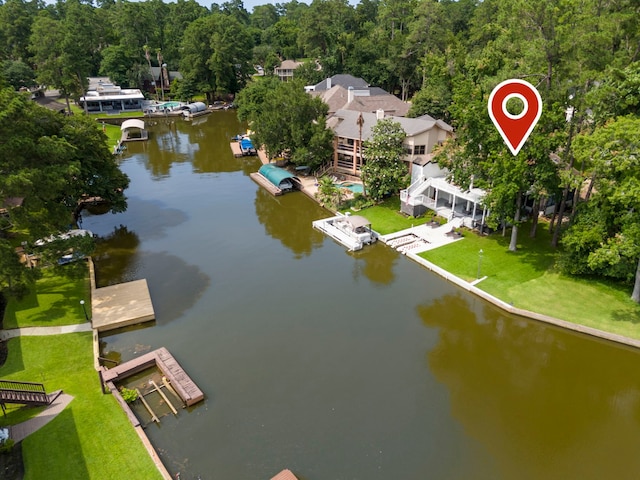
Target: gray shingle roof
<point>344,124</point>
<point>391,105</point>
<point>344,80</point>
<point>337,98</point>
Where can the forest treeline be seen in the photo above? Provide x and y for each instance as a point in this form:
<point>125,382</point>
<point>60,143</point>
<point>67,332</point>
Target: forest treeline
<point>443,56</point>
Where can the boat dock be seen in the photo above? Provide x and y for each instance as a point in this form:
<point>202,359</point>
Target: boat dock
<point>235,149</point>
<point>121,305</point>
<point>352,231</point>
<point>167,364</point>
<point>266,184</point>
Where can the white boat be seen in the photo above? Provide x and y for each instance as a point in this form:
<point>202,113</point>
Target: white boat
<point>63,236</point>
<point>352,231</point>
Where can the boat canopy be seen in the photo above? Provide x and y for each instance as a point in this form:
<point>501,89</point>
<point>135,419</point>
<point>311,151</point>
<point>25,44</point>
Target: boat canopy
<point>357,221</point>
<point>195,107</point>
<point>276,175</point>
<point>132,123</point>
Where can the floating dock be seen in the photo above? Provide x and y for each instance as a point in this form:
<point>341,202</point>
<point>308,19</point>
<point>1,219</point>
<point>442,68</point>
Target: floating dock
<point>186,388</point>
<point>121,305</point>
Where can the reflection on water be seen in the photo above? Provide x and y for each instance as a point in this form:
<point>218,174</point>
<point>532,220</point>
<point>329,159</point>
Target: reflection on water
<point>341,365</point>
<point>376,263</point>
<point>544,403</point>
<point>286,220</point>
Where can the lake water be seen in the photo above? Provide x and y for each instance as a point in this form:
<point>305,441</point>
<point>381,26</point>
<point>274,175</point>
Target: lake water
<point>342,365</point>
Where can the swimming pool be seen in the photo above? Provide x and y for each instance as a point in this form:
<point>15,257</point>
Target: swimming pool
<point>170,105</point>
<point>354,187</point>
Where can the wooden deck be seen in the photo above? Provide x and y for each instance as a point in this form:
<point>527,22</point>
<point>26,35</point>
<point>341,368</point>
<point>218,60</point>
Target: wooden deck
<point>266,184</point>
<point>170,368</point>
<point>121,305</point>
<point>235,149</point>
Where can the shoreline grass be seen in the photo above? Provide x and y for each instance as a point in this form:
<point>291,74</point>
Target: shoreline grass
<point>528,279</point>
<point>53,301</point>
<point>92,437</point>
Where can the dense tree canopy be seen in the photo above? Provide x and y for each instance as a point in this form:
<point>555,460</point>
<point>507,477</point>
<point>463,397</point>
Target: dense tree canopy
<point>287,121</point>
<point>51,161</point>
<point>604,239</point>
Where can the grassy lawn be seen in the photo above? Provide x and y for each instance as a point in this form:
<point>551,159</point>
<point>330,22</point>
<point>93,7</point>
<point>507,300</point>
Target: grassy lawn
<point>54,301</point>
<point>113,133</point>
<point>131,114</point>
<point>528,279</point>
<point>386,217</point>
<point>91,438</point>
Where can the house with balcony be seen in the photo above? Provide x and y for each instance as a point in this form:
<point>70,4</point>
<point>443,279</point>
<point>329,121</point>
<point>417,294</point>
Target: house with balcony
<point>430,187</point>
<point>352,128</point>
<point>285,70</point>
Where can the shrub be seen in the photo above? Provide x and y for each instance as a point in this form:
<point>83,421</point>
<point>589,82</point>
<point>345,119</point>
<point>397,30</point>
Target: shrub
<point>7,445</point>
<point>129,395</point>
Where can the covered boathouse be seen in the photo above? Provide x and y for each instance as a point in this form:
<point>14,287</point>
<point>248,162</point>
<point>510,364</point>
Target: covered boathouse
<point>133,130</point>
<point>275,179</point>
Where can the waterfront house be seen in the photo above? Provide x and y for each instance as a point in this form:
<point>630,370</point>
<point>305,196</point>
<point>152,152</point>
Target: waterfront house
<point>432,189</point>
<point>284,71</point>
<point>352,128</point>
<point>107,97</point>
<point>161,80</point>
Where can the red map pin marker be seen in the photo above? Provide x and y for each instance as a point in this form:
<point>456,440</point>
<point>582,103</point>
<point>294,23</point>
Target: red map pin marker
<point>515,129</point>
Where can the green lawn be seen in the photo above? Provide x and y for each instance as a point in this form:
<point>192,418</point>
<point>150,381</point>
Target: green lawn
<point>92,437</point>
<point>386,217</point>
<point>54,301</point>
<point>131,114</point>
<point>113,133</point>
<point>528,279</point>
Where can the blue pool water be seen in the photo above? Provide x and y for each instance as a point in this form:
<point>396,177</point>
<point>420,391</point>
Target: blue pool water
<point>354,187</point>
<point>169,105</point>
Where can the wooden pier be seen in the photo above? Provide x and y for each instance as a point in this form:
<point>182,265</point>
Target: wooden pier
<point>235,149</point>
<point>186,388</point>
<point>266,184</point>
<point>121,305</point>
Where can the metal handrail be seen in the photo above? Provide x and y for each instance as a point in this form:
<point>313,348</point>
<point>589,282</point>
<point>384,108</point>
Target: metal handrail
<point>29,387</point>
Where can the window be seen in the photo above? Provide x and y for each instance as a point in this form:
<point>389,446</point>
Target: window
<point>419,150</point>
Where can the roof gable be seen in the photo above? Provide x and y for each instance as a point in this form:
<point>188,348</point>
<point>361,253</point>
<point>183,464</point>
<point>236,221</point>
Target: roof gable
<point>344,124</point>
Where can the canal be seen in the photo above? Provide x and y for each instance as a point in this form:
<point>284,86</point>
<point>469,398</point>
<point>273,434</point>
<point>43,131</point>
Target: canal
<point>339,365</point>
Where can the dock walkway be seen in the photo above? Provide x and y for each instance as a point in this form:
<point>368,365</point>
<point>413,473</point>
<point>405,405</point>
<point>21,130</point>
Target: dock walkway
<point>121,305</point>
<point>22,430</point>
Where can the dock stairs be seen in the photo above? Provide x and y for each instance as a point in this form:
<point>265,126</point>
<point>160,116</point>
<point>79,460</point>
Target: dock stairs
<point>25,393</point>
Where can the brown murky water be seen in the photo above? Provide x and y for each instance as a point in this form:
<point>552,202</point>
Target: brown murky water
<point>337,365</point>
